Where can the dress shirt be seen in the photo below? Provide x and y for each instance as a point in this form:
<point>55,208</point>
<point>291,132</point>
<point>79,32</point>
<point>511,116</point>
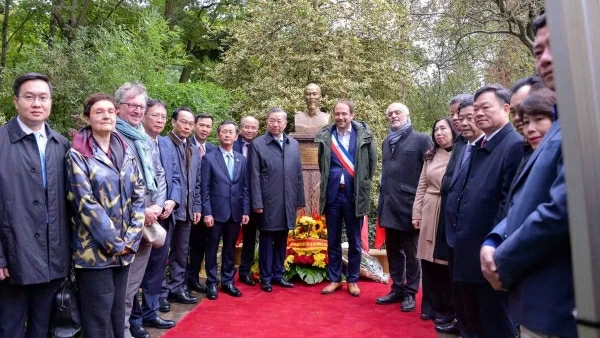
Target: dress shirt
<point>345,142</point>
<point>41,140</point>
<point>225,154</point>
<point>488,138</point>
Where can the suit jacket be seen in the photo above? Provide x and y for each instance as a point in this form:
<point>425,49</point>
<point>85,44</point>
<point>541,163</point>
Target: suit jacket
<point>208,147</point>
<point>401,170</point>
<point>477,197</point>
<point>239,144</point>
<point>534,260</point>
<point>170,163</point>
<point>222,197</point>
<point>190,185</point>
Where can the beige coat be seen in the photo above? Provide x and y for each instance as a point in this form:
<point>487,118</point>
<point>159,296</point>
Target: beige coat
<point>427,203</point>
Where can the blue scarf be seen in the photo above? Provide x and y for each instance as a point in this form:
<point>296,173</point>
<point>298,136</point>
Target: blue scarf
<point>138,135</point>
<point>395,135</point>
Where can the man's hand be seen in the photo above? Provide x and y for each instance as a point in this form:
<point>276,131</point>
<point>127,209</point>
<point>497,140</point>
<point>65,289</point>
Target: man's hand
<point>169,206</point>
<point>488,267</point>
<point>150,216</point>
<point>416,223</point>
<point>197,217</point>
<point>245,219</point>
<point>209,221</point>
<point>4,274</point>
<point>124,252</point>
<point>258,211</point>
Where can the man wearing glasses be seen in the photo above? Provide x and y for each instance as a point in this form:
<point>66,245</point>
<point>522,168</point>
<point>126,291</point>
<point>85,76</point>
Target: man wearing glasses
<point>131,100</point>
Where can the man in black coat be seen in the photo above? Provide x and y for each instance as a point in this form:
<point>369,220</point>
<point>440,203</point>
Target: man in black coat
<point>277,193</point>
<point>34,234</point>
<point>248,131</point>
<point>475,204</point>
<point>403,156</point>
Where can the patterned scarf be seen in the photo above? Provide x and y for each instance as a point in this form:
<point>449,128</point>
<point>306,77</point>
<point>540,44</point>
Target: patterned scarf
<point>395,135</point>
<point>138,135</point>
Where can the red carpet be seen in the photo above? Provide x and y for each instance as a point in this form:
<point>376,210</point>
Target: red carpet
<point>302,312</point>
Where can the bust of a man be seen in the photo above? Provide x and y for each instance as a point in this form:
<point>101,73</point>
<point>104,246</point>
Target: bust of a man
<point>312,119</point>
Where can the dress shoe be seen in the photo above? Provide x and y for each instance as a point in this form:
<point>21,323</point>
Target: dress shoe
<point>425,316</point>
<point>266,286</point>
<point>231,290</point>
<point>211,292</point>
<point>159,323</point>
<point>163,305</point>
<point>450,329</point>
<point>408,303</point>
<point>283,283</point>
<point>331,288</point>
<point>182,297</point>
<point>246,279</point>
<point>196,286</point>
<point>390,298</point>
<point>353,289</point>
<point>138,331</point>
<point>442,321</point>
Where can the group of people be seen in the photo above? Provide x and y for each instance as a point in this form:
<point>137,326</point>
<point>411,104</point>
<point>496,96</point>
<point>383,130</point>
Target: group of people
<point>484,210</point>
<point>476,211</point>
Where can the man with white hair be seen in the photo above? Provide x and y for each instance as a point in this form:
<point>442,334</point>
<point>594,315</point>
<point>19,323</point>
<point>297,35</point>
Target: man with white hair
<point>402,162</point>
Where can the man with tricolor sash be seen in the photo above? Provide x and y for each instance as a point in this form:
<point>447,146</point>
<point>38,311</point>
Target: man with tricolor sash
<point>347,162</point>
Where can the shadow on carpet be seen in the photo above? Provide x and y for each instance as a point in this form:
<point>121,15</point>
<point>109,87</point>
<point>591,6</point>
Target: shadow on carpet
<point>300,312</point>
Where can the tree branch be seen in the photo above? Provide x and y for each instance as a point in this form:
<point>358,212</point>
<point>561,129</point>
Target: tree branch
<point>113,10</point>
<point>29,15</point>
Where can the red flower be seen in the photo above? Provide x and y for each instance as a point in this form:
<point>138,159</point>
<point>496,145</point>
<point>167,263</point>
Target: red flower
<point>290,251</point>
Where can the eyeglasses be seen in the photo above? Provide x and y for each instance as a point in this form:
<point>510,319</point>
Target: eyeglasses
<point>184,122</point>
<point>134,106</point>
<point>31,98</point>
<point>158,117</point>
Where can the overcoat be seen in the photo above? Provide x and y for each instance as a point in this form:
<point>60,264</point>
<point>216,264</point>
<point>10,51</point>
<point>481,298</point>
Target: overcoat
<point>35,251</point>
<point>276,183</point>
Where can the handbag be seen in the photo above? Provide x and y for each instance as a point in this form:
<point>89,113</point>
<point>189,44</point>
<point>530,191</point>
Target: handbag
<point>154,234</point>
<point>65,321</point>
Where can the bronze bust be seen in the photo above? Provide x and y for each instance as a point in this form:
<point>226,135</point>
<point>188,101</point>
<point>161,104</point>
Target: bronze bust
<point>312,119</point>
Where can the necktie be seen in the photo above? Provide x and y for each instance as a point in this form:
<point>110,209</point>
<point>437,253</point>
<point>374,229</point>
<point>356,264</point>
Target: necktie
<point>483,142</point>
<point>42,151</point>
<point>466,156</point>
<point>202,152</point>
<point>230,165</point>
<point>245,149</point>
<point>280,142</point>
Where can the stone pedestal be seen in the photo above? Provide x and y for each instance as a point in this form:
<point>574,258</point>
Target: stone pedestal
<point>310,169</point>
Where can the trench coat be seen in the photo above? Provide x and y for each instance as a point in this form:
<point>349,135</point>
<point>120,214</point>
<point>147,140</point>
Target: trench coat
<point>428,202</point>
<point>276,183</point>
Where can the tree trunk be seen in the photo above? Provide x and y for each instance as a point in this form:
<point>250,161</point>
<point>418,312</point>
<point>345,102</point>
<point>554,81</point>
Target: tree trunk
<point>186,74</point>
<point>169,14</point>
<point>4,39</point>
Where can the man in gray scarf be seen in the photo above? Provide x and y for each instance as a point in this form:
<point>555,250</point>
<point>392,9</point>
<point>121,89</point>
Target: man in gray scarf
<point>402,161</point>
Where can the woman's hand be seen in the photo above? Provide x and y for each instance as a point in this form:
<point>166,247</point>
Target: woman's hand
<point>416,223</point>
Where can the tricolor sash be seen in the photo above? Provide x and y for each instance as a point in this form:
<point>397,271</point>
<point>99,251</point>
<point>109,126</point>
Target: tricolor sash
<point>342,153</point>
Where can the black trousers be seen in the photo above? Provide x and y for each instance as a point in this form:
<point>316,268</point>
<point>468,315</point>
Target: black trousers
<point>27,303</point>
<point>229,231</point>
<point>178,258</point>
<point>102,294</point>
<point>437,298</point>
<point>468,320</point>
<point>405,270</point>
<point>249,243</point>
<point>272,247</point>
<point>198,239</point>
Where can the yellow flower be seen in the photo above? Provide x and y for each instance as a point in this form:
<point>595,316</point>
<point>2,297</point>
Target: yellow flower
<point>319,260</point>
<point>318,227</point>
<point>314,235</point>
<point>289,260</point>
<point>301,236</point>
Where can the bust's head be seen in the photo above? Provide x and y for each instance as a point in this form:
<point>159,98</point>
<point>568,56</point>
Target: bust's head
<point>312,97</point>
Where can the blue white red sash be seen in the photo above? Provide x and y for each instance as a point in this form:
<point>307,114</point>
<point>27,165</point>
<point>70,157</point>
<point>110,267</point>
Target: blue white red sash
<point>342,153</point>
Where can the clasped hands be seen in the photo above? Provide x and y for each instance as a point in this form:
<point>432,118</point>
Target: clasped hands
<point>489,269</point>
<point>209,221</point>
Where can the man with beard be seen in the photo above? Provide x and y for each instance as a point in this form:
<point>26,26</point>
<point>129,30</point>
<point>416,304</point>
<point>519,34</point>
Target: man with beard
<point>249,129</point>
<point>520,90</point>
<point>402,161</point>
<point>312,119</point>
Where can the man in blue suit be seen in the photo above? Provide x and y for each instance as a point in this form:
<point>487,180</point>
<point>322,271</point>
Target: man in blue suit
<point>202,130</point>
<point>226,205</point>
<point>529,251</point>
<point>474,206</point>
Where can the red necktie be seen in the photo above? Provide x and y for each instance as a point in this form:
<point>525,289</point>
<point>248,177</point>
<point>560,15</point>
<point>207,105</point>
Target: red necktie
<point>483,143</point>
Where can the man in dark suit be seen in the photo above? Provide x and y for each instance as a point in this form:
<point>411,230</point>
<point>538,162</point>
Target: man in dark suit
<point>202,130</point>
<point>226,205</point>
<point>154,122</point>
<point>402,161</point>
<point>248,131</point>
<point>475,204</point>
<point>529,252</point>
<point>189,210</point>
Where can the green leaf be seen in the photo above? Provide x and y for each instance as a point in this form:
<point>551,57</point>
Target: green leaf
<point>291,273</point>
<point>310,275</point>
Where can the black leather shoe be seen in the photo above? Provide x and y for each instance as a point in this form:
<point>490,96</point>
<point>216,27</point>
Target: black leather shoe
<point>196,286</point>
<point>442,321</point>
<point>425,316</point>
<point>283,283</point>
<point>450,329</point>
<point>231,290</point>
<point>182,297</point>
<point>211,292</point>
<point>163,305</point>
<point>266,286</point>
<point>159,323</point>
<point>390,298</point>
<point>247,280</point>
<point>138,331</point>
<point>408,303</point>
